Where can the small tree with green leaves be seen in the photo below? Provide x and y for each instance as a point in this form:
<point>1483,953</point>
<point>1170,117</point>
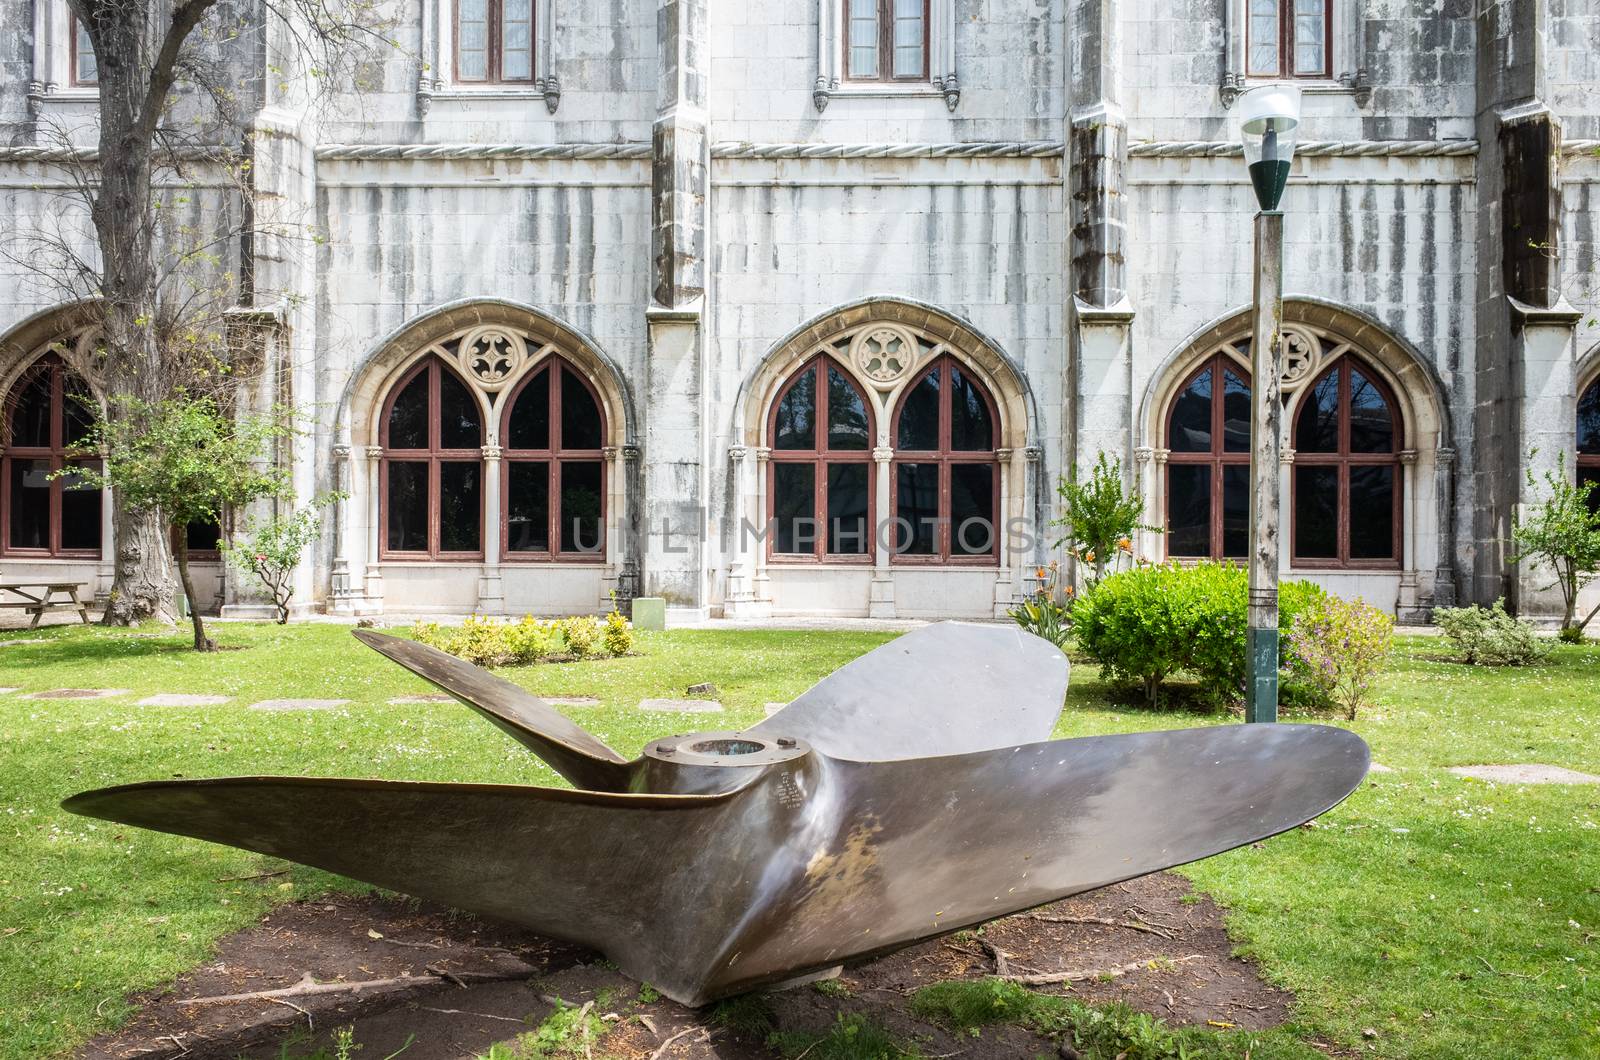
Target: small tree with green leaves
<point>1562,533</point>
<point>269,551</point>
<point>1099,516</point>
<point>186,458</point>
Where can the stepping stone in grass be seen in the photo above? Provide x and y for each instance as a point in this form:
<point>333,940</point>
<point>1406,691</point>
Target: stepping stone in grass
<point>1526,773</point>
<point>572,701</point>
<point>426,697</point>
<point>773,708</point>
<point>1379,767</point>
<point>298,704</point>
<point>681,706</point>
<point>182,699</point>
<point>8,691</point>
<point>20,643</point>
<point>78,693</point>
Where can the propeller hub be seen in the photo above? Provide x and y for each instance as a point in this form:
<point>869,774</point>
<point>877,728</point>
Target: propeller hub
<point>706,762</point>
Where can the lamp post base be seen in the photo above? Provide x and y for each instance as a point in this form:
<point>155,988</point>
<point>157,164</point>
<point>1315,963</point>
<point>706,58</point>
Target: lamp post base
<point>1261,685</point>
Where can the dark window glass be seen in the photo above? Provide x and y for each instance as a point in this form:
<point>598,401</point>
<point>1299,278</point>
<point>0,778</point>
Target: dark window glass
<point>847,510</point>
<point>30,504</point>
<point>408,416</point>
<point>30,414</point>
<point>919,416</point>
<point>580,416</point>
<point>529,427</point>
<point>972,521</point>
<point>1316,512</point>
<point>1189,509</point>
<point>80,516</point>
<point>1191,418</point>
<point>1317,430</point>
<point>796,426</point>
<point>202,537</point>
<point>78,411</point>
<point>460,425</point>
<point>847,413</point>
<point>1235,413</point>
<point>1591,475</point>
<point>408,506</point>
<point>917,508</point>
<point>1372,512</point>
<point>794,507</point>
<point>970,428</point>
<point>460,506</point>
<point>1371,426</point>
<point>1236,511</point>
<point>580,506</point>
<point>1589,420</point>
<point>528,506</point>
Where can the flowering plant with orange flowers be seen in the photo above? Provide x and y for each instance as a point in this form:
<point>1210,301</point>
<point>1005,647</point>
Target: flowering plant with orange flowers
<point>1047,610</point>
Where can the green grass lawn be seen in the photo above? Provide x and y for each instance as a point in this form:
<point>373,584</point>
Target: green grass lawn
<point>1447,917</point>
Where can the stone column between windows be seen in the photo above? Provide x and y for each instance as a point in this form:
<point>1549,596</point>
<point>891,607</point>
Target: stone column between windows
<point>880,596</point>
<point>374,579</point>
<point>761,580</point>
<point>491,593</point>
<point>1286,521</point>
<point>1405,604</point>
<point>1007,552</point>
<point>342,593</point>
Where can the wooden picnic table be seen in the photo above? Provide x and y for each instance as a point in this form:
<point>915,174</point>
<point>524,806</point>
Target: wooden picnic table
<point>39,597</point>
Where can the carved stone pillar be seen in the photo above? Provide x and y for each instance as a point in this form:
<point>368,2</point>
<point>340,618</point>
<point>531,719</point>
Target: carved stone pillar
<point>491,593</point>
<point>343,596</point>
<point>1444,576</point>
<point>374,579</point>
<point>761,580</point>
<point>880,595</point>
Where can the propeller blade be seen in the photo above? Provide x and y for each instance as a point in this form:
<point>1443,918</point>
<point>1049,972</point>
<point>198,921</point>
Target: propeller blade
<point>931,846</point>
<point>569,749</point>
<point>944,689</point>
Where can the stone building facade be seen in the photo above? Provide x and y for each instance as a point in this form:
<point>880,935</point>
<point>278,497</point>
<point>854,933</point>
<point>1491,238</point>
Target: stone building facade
<point>802,308</point>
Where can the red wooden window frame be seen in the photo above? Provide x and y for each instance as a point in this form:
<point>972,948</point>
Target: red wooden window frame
<point>885,45</point>
<point>1344,460</point>
<point>1286,46</point>
<point>55,453</point>
<point>559,370</point>
<point>1588,460</point>
<point>1216,459</point>
<point>72,50</point>
<point>494,11</point>
<point>945,457</point>
<point>433,456</point>
<point>820,456</point>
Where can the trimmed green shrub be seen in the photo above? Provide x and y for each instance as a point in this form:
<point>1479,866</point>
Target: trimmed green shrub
<point>582,633</point>
<point>1488,636</point>
<point>618,635</point>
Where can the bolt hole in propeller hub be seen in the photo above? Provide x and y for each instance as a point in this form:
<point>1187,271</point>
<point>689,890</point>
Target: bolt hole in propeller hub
<point>913,792</point>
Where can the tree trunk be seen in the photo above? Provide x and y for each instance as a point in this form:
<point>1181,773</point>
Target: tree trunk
<point>141,589</point>
<point>201,642</point>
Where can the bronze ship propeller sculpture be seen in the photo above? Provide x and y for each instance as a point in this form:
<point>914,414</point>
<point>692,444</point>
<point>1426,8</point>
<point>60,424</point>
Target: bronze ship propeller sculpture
<point>911,793</point>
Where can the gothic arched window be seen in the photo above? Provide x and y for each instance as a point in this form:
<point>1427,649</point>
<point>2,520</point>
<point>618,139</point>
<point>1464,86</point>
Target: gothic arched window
<point>820,481</point>
<point>432,438</point>
<point>1347,442</point>
<point>1208,463</point>
<point>46,412</point>
<point>946,475</point>
<point>554,475</point>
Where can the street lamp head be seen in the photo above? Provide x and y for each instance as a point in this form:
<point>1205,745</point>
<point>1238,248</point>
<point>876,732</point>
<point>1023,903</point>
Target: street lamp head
<point>1269,118</point>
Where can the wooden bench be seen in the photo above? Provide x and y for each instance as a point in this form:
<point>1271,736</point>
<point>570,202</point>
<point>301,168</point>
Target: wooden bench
<point>39,597</point>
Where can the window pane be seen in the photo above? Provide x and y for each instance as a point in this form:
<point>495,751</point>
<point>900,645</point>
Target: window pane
<point>1372,512</point>
<point>78,413</point>
<point>972,521</point>
<point>472,40</point>
<point>908,34</point>
<point>80,516</point>
<point>460,424</point>
<point>527,506</point>
<point>200,537</point>
<point>919,416</point>
<point>863,38</point>
<point>795,426</point>
<point>1587,475</point>
<point>1235,413</point>
<point>1316,512</point>
<point>1589,420</point>
<point>408,506</point>
<point>529,427</point>
<point>1189,509</point>
<point>30,504</point>
<point>917,509</point>
<point>408,416</point>
<point>847,510</point>
<point>794,500</point>
<point>516,40</point>
<point>847,413</point>
<point>30,414</point>
<point>88,72</point>
<point>580,416</point>
<point>1262,47</point>
<point>1236,511</point>
<point>1310,37</point>
<point>1317,430</point>
<point>460,506</point>
<point>580,506</point>
<point>1371,427</point>
<point>1191,417</point>
<point>970,428</point>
